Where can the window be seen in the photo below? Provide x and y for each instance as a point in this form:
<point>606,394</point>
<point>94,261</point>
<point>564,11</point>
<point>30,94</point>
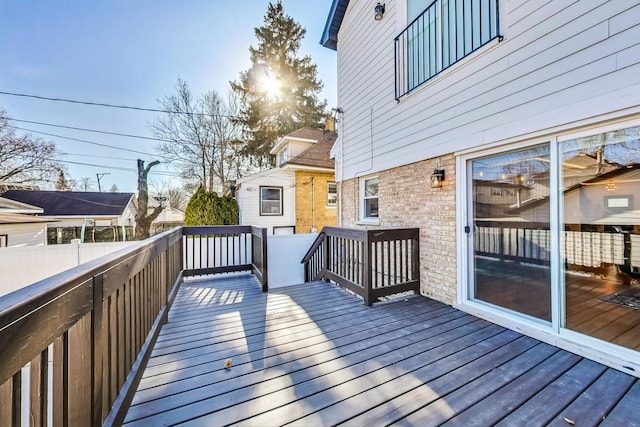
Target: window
<point>439,34</point>
<point>617,204</point>
<point>332,194</point>
<point>284,230</point>
<point>283,156</point>
<point>270,200</point>
<point>370,199</point>
<point>4,240</point>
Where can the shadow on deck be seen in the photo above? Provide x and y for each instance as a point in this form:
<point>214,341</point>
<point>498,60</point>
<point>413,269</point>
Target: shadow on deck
<point>315,355</point>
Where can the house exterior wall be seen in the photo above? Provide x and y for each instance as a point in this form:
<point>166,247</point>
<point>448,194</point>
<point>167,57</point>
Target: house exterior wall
<point>24,234</point>
<point>297,147</point>
<point>312,210</point>
<point>560,63</point>
<point>248,197</point>
<point>406,200</point>
<point>564,70</point>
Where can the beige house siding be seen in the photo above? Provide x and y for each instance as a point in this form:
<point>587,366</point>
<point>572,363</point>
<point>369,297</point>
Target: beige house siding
<point>311,201</point>
<point>406,199</point>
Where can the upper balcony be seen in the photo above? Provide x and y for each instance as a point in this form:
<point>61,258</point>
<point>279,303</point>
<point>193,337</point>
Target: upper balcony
<point>443,34</point>
<point>172,331</point>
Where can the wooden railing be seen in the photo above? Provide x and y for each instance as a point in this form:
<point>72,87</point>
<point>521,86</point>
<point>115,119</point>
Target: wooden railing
<point>223,249</point>
<point>83,337</point>
<point>371,263</point>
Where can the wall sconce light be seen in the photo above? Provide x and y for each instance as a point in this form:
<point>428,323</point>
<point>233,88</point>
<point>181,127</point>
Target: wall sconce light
<point>379,11</point>
<point>437,178</point>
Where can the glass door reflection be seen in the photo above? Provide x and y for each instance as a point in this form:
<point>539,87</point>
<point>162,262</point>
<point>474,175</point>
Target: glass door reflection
<point>600,241</point>
<point>511,237</point>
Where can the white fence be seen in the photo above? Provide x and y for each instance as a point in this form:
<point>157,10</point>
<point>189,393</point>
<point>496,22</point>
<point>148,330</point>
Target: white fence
<point>284,253</point>
<point>22,266</point>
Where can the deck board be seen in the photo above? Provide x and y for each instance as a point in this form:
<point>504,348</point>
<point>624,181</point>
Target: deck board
<point>313,354</point>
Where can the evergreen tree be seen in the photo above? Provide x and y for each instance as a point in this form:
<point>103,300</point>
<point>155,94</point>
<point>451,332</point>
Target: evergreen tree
<point>278,94</point>
<point>114,189</point>
<point>61,183</point>
<point>207,208</point>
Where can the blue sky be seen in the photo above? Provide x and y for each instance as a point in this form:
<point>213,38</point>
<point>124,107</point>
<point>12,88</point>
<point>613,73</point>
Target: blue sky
<point>130,53</point>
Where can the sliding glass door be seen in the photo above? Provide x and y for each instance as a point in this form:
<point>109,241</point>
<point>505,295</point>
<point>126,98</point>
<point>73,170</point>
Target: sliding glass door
<point>600,238</point>
<point>510,234</point>
<point>579,195</point>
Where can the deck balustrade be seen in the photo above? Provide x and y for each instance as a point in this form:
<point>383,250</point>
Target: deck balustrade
<point>77,342</point>
<point>371,263</point>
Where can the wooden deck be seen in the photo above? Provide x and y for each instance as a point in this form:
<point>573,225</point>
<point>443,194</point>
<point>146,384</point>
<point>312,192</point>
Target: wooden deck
<point>315,355</point>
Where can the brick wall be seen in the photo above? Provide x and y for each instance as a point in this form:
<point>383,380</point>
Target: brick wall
<point>322,215</point>
<point>406,199</point>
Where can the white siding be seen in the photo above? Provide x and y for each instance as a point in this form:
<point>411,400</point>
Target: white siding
<point>248,197</point>
<point>297,147</point>
<point>560,63</point>
<point>25,234</point>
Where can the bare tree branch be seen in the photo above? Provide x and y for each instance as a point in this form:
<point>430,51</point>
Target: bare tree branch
<point>204,146</point>
<point>26,159</point>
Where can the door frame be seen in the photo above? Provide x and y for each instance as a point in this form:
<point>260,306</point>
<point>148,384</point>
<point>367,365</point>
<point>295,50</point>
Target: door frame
<point>554,333</point>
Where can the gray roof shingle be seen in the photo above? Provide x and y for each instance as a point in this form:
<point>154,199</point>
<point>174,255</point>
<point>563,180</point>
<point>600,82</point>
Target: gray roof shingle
<point>73,203</point>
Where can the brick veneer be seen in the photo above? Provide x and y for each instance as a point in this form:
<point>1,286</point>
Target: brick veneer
<point>406,199</point>
<point>323,214</point>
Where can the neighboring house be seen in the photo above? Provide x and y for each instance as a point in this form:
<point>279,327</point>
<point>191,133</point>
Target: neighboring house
<point>88,216</point>
<point>19,226</point>
<point>168,218</point>
<point>455,117</point>
<point>299,195</point>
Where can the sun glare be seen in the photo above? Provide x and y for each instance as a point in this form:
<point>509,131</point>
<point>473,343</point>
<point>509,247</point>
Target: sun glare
<point>271,86</point>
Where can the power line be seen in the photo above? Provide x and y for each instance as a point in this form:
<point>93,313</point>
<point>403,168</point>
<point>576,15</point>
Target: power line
<point>128,135</point>
<point>83,141</point>
<point>193,144</point>
<point>104,104</point>
<point>121,168</point>
<point>128,159</point>
<point>298,158</point>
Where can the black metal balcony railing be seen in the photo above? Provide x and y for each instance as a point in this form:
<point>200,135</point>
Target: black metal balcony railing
<point>86,333</point>
<point>371,263</point>
<point>446,32</point>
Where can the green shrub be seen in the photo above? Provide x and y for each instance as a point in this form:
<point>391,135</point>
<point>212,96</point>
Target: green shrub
<point>206,208</point>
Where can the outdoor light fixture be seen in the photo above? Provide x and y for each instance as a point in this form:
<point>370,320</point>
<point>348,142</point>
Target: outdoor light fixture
<point>379,11</point>
<point>437,178</point>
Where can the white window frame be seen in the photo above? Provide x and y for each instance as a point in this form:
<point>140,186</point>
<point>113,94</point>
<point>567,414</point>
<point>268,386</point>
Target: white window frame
<point>555,333</point>
<point>268,187</point>
<point>332,197</point>
<point>283,155</point>
<point>363,199</point>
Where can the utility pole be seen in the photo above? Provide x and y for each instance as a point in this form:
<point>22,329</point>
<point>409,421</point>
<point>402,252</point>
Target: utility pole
<point>98,176</point>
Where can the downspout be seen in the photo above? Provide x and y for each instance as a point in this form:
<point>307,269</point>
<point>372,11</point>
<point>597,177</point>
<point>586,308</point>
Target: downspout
<point>339,119</point>
<point>313,204</point>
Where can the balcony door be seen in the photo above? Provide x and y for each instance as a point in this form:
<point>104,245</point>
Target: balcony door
<point>510,235</point>
<point>553,235</point>
<point>600,241</point>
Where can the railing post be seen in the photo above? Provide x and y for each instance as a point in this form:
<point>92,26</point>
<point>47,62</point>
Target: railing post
<point>415,255</point>
<point>326,256</point>
<point>368,298</point>
<point>265,277</point>
<point>97,350</point>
